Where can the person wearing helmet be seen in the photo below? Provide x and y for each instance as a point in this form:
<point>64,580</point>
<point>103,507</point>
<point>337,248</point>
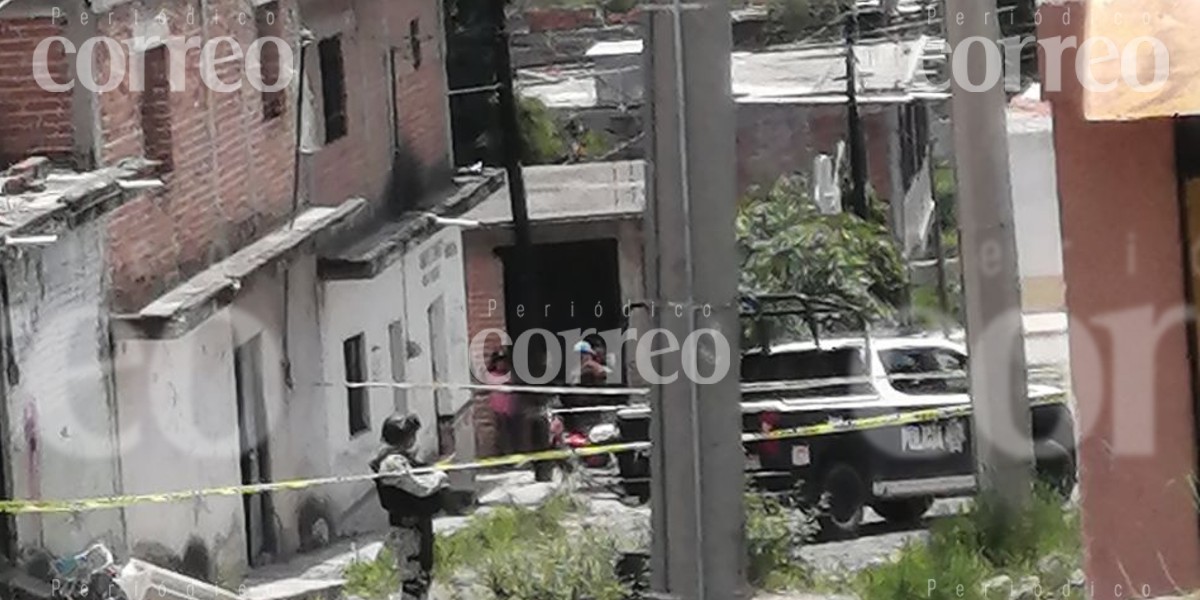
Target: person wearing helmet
<point>411,500</point>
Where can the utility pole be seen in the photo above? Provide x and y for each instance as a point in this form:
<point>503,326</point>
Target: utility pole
<point>697,459</point>
<point>999,394</point>
<point>858,154</point>
<point>524,260</point>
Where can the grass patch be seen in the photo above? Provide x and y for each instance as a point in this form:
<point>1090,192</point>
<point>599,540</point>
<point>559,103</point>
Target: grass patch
<point>503,530</point>
<point>1043,540</point>
<point>521,553</point>
<point>577,567</point>
<point>373,579</point>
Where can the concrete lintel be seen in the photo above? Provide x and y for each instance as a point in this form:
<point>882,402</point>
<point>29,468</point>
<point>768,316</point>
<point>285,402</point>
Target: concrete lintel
<point>85,197</point>
<point>192,302</point>
<point>382,247</point>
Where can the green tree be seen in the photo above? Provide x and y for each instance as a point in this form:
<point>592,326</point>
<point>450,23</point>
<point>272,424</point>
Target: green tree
<point>788,246</point>
<point>790,20</point>
<point>542,137</point>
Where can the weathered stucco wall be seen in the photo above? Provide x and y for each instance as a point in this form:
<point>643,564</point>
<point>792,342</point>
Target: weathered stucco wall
<point>61,439</point>
<point>399,296</point>
<point>296,435</point>
<point>179,430</point>
<point>179,419</point>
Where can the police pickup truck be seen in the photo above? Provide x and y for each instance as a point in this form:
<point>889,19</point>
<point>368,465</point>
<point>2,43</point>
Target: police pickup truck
<point>897,470</point>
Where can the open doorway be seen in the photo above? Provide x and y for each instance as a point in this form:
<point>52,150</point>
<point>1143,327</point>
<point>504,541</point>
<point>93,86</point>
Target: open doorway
<point>255,454</point>
<point>579,287</point>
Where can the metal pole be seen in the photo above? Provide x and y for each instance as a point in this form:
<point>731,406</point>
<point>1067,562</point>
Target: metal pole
<point>1002,431</point>
<point>696,452</point>
<point>524,260</point>
<point>858,154</point>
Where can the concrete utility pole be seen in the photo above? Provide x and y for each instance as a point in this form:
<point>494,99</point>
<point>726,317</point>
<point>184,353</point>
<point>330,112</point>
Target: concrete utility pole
<point>999,395</point>
<point>697,460</point>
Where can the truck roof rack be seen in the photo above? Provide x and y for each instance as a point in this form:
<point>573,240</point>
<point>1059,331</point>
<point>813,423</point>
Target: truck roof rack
<point>759,307</point>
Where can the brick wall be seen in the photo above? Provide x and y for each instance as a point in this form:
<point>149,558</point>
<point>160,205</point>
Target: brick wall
<point>485,285</point>
<point>561,19</point>
<point>420,102</point>
<point>485,293</point>
<point>32,120</point>
<point>231,165</point>
<point>231,176</point>
<point>777,139</point>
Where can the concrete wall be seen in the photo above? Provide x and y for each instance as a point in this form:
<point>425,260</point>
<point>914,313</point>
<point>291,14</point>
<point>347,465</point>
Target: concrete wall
<point>179,420</point>
<point>1122,260</point>
<point>1035,210</point>
<point>61,437</point>
<point>179,428</point>
<point>400,294</point>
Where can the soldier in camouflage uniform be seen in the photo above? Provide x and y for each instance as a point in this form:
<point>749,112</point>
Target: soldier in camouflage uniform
<point>411,501</point>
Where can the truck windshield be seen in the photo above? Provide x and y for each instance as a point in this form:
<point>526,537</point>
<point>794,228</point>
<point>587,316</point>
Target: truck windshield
<point>926,370</point>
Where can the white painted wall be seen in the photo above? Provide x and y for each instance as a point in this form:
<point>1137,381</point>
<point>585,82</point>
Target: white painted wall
<point>434,269</point>
<point>1035,195</point>
<point>179,421</point>
<point>61,439</point>
<point>401,293</point>
<point>179,429</point>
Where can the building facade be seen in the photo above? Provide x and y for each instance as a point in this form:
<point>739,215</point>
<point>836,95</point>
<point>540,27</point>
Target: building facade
<point>276,249</point>
<point>586,223</point>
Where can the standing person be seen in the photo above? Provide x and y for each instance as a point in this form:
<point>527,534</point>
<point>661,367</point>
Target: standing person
<point>410,500</point>
<point>503,403</point>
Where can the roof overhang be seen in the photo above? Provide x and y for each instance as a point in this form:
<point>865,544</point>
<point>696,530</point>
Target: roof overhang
<point>1119,29</point>
<point>192,302</point>
<point>376,250</point>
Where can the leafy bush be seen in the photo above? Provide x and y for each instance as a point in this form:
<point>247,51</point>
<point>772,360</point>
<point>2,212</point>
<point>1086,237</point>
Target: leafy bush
<point>774,535</point>
<point>987,541</point>
<point>373,579</point>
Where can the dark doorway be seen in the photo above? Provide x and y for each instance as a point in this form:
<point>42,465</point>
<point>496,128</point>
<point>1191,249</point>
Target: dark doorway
<point>579,288</point>
<point>256,458</point>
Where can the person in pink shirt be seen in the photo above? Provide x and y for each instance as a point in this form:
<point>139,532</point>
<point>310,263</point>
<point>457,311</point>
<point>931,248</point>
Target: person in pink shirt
<point>503,404</point>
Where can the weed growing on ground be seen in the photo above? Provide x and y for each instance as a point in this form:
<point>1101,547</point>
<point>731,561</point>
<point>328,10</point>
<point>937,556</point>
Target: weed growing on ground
<point>578,567</point>
<point>966,550</point>
<point>502,530</point>
<point>774,535</point>
<point>373,579</point>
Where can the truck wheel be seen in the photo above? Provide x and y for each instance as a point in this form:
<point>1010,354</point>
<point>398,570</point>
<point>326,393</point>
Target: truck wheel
<point>1055,467</point>
<point>846,494</point>
<point>907,510</point>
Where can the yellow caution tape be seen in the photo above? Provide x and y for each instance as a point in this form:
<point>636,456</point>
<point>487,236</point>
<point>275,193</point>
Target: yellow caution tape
<point>91,504</point>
